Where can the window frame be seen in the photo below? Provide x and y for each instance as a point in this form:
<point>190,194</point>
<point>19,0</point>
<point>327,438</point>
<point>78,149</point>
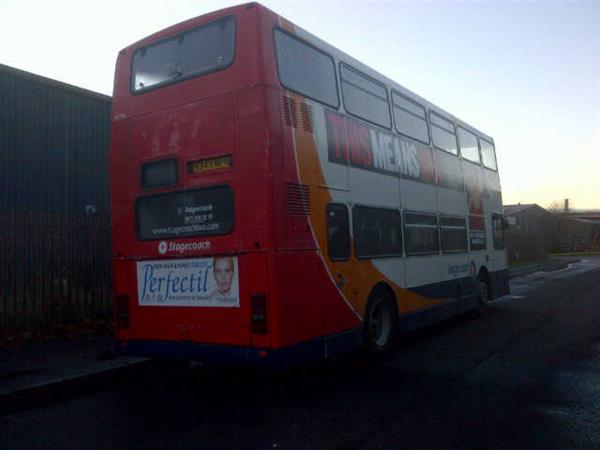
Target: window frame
<point>188,77</point>
<point>410,100</point>
<point>479,139</point>
<point>431,124</point>
<point>317,49</point>
<point>355,238</point>
<point>436,227</point>
<point>374,81</point>
<point>466,228</point>
<point>336,204</point>
<point>460,127</point>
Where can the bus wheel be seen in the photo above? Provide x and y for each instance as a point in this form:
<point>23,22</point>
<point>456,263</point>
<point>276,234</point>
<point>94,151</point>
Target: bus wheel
<point>484,296</point>
<point>381,324</point>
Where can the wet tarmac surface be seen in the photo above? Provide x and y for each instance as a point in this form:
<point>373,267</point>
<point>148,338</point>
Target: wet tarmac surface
<point>525,375</point>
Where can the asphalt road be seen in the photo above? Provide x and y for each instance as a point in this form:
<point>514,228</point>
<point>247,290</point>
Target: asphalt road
<point>525,375</point>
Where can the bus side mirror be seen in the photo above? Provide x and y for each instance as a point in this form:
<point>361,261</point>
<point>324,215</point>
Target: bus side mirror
<point>504,223</point>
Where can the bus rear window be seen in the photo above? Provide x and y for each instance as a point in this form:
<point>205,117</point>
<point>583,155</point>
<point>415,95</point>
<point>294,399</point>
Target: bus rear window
<point>200,212</point>
<point>206,49</point>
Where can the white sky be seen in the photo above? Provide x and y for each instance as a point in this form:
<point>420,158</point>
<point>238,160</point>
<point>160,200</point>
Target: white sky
<point>526,73</point>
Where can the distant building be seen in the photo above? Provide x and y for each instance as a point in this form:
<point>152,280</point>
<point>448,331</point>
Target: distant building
<point>531,231</point>
<point>578,230</point>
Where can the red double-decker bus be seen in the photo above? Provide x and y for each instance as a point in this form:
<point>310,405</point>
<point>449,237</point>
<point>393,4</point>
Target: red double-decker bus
<point>275,199</point>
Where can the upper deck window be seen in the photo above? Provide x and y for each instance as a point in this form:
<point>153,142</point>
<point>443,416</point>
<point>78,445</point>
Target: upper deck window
<point>488,154</point>
<point>443,133</point>
<point>305,69</point>
<point>410,118</point>
<point>468,145</point>
<point>365,97</point>
<point>206,49</point>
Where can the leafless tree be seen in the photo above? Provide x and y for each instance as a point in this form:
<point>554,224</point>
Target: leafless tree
<point>558,208</point>
<point>555,207</point>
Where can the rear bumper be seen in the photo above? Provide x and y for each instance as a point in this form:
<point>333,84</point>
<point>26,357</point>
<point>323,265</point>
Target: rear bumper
<point>311,350</point>
<point>178,350</point>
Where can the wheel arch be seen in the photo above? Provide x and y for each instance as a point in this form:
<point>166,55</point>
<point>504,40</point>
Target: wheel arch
<point>382,288</point>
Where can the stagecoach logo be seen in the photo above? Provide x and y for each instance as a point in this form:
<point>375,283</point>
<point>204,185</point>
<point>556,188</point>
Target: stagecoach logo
<point>162,247</point>
<point>182,247</point>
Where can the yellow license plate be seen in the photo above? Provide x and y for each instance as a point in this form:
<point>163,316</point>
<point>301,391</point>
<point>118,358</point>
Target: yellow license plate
<point>205,165</point>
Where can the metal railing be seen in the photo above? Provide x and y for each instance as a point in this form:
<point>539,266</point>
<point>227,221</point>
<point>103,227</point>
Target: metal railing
<point>54,269</point>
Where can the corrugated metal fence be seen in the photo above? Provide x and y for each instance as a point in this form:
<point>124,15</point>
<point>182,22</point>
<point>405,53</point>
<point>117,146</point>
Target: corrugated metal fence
<point>54,269</point>
<point>54,205</point>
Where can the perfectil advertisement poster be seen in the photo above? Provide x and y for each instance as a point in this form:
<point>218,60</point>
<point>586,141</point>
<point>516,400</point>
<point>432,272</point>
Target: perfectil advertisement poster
<point>189,282</point>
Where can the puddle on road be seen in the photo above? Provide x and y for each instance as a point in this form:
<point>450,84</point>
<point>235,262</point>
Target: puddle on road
<point>508,297</point>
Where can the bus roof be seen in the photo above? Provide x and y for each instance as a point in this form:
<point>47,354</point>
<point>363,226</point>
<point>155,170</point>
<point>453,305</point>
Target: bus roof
<point>344,57</point>
<point>310,37</point>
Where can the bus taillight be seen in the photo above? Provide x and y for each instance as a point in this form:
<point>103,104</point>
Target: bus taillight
<point>259,313</point>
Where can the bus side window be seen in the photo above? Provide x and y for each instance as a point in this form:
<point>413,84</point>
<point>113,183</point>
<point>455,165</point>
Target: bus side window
<point>305,69</point>
<point>468,145</point>
<point>338,232</point>
<point>443,133</point>
<point>488,154</point>
<point>421,234</point>
<point>410,118</point>
<point>498,231</point>
<point>377,232</point>
<point>365,97</point>
<point>454,234</point>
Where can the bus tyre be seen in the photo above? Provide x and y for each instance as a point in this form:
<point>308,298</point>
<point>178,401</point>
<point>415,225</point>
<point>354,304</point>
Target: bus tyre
<point>484,296</point>
<point>381,324</point>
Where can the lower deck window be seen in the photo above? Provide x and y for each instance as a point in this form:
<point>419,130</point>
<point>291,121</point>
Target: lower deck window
<point>200,212</point>
<point>454,234</point>
<point>421,234</point>
<point>338,232</point>
<point>377,232</point>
